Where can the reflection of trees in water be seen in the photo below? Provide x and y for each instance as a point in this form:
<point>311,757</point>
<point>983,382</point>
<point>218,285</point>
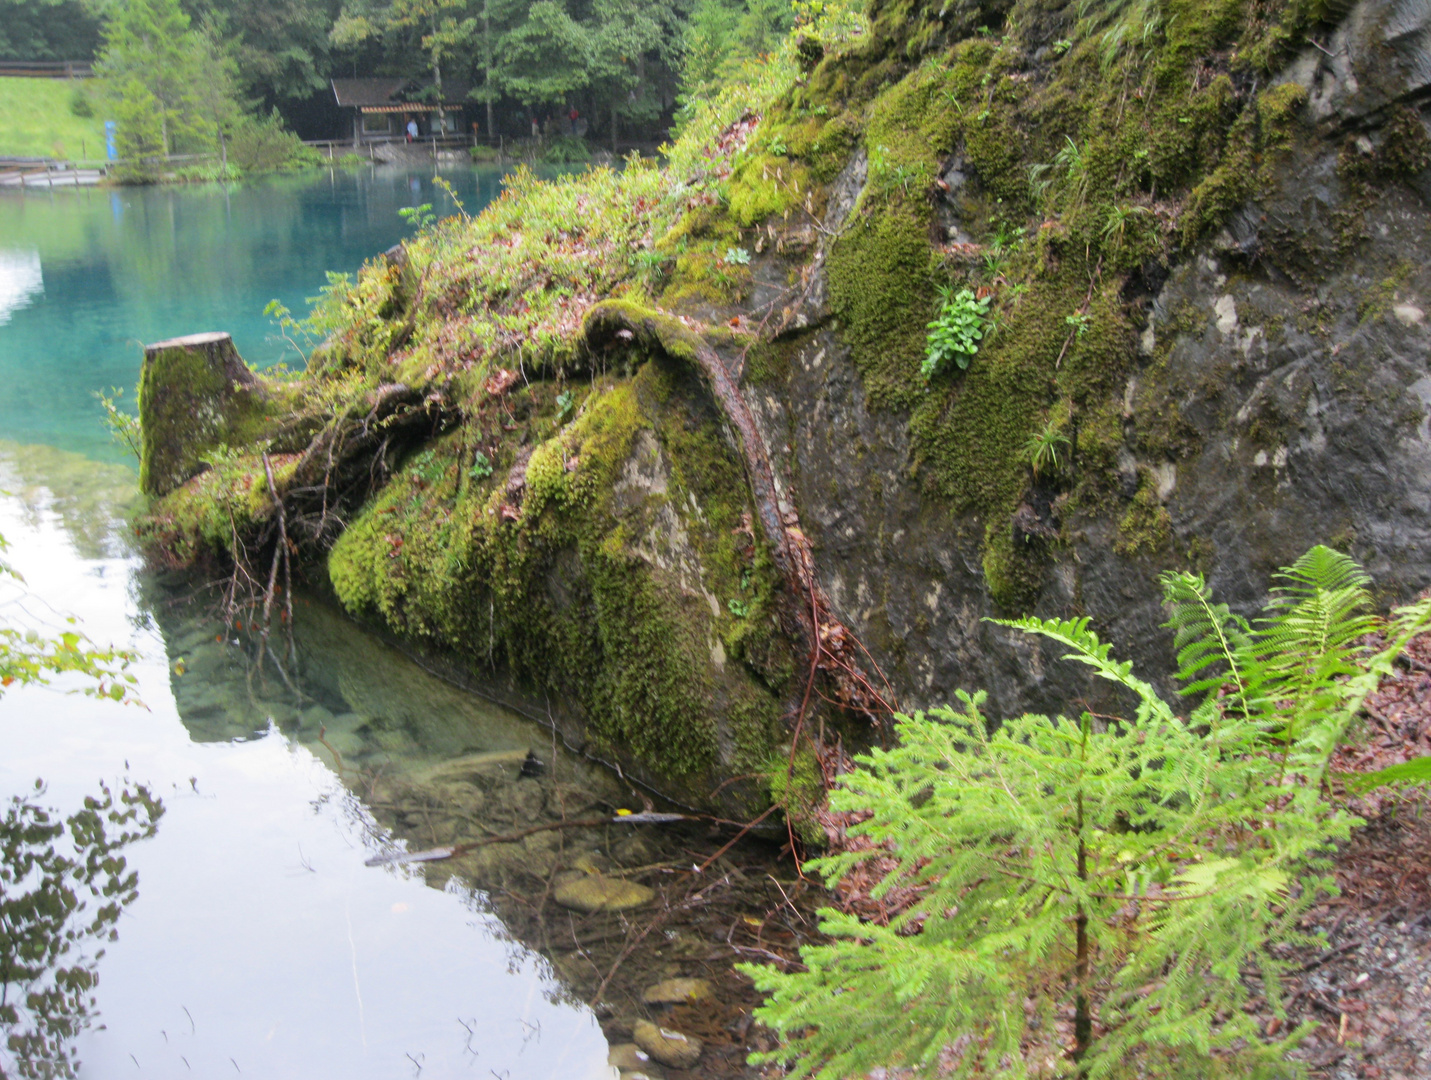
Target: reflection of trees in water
<point>60,896</point>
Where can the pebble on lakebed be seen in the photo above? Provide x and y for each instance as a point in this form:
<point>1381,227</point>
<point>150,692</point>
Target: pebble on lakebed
<point>633,1061</point>
<point>596,892</point>
<point>667,1046</point>
<point>675,991</point>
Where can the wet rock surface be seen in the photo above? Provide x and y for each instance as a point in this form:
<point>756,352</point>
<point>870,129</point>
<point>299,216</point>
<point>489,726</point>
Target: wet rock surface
<point>595,892</point>
<point>1278,399</point>
<point>675,991</point>
<point>673,1048</point>
<point>630,1058</point>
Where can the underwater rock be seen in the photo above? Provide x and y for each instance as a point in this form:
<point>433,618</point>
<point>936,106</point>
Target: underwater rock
<point>632,1060</point>
<point>667,1046</point>
<point>593,892</point>
<point>675,991</point>
<point>634,851</point>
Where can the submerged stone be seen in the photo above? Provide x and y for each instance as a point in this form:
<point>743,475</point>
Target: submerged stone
<point>594,892</point>
<point>675,991</point>
<point>667,1046</point>
<point>632,1061</point>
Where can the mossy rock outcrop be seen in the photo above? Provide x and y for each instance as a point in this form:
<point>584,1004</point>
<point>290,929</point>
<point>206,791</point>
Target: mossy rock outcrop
<point>1201,242</point>
<point>596,552</point>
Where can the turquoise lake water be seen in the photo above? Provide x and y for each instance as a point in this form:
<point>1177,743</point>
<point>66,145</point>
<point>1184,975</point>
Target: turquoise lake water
<point>260,945</point>
<point>88,276</point>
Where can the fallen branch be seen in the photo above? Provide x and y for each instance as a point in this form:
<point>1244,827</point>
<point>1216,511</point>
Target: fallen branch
<point>399,858</point>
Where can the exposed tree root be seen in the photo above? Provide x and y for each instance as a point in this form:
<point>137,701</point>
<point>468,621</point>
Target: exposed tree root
<point>834,650</point>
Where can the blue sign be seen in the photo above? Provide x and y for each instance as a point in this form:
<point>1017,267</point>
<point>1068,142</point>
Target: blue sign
<point>111,151</point>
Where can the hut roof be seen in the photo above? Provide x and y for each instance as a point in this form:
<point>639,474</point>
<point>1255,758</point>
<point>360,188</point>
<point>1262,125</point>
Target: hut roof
<point>355,93</point>
<point>391,94</point>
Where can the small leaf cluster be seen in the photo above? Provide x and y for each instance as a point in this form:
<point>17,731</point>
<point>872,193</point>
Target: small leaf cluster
<point>954,335</point>
<point>420,217</point>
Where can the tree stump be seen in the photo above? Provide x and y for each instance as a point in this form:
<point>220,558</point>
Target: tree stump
<point>195,393</point>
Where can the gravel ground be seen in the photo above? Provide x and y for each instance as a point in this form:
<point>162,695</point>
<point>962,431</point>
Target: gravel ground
<point>1369,993</point>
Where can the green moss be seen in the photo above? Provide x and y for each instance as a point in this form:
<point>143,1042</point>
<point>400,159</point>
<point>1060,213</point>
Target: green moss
<point>768,363</point>
<point>204,515</point>
<point>606,575</point>
<point>1378,300</point>
<point>1405,150</point>
<point>1256,137</point>
<point>881,274</point>
<point>1146,528</point>
<point>797,786</point>
<point>1013,569</point>
<point>823,143</point>
<point>766,185</point>
<point>188,407</point>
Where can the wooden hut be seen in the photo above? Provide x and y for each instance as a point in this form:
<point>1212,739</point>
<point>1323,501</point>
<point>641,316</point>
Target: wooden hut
<point>380,108</point>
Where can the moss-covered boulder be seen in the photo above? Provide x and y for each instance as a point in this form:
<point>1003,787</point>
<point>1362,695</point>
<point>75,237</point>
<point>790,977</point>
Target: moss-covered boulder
<point>594,544</point>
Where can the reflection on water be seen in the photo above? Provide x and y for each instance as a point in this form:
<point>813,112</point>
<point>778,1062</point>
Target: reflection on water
<point>88,497</point>
<point>259,941</point>
<point>20,281</point>
<point>63,884</point>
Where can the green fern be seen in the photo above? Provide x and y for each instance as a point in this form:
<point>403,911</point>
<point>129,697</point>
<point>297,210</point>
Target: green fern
<point>1212,644</point>
<point>1288,669</point>
<point>1415,771</point>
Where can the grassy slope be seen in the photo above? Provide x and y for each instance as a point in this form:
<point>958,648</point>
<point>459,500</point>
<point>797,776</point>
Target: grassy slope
<point>35,121</point>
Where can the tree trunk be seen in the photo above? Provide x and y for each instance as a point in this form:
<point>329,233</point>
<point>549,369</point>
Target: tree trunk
<point>488,68</point>
<point>613,127</point>
<point>437,81</point>
<point>194,391</point>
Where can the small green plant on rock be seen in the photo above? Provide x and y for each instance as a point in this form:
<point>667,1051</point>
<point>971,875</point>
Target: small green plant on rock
<point>954,336</point>
<point>1046,450</point>
<point>1096,896</point>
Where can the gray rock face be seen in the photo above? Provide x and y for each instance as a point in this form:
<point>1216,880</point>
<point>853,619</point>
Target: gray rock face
<point>1380,54</point>
<point>1281,400</point>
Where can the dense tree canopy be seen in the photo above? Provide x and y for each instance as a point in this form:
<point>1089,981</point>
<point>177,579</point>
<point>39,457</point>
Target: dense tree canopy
<point>47,30</point>
<point>623,64</point>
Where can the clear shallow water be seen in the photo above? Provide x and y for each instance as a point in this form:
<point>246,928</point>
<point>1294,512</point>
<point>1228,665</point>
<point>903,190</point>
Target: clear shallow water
<point>259,945</point>
<point>87,276</point>
<point>259,941</point>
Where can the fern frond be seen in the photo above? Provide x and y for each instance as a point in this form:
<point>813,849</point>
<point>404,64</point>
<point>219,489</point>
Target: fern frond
<point>1212,643</point>
<point>1321,569</point>
<point>1087,649</point>
<point>1415,771</point>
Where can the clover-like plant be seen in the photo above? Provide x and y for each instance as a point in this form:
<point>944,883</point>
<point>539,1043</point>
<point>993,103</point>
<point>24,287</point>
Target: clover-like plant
<point>955,334</point>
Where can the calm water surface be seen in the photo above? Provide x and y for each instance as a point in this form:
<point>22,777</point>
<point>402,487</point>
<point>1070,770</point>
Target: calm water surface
<point>259,945</point>
<point>87,276</point>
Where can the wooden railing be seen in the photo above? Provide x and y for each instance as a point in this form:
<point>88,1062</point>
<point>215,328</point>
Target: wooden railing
<point>46,69</point>
<point>44,172</point>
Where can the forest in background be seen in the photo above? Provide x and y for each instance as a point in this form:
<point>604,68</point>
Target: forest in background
<point>631,64</point>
